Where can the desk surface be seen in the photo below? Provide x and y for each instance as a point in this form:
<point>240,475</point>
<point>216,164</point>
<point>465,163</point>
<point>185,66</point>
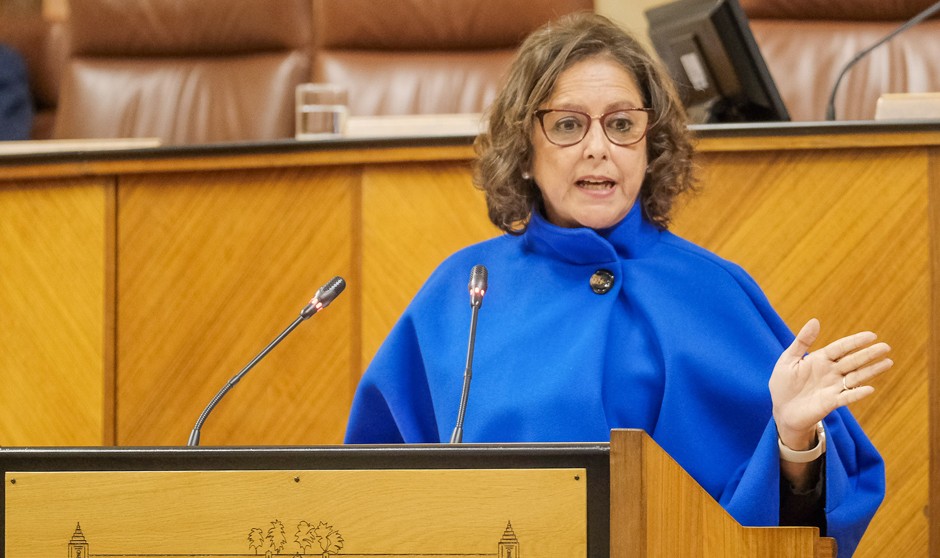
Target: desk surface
<point>710,137</point>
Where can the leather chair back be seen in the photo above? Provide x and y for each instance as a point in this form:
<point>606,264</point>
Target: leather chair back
<point>43,44</point>
<point>424,56</point>
<point>184,71</point>
<point>806,43</point>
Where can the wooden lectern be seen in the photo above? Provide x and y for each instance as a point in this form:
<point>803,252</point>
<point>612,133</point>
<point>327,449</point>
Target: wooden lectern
<point>626,498</point>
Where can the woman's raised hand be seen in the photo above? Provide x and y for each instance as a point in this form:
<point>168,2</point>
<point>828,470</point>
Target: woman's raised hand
<point>807,386</point>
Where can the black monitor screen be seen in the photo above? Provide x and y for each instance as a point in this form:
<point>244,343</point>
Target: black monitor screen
<point>710,52</point>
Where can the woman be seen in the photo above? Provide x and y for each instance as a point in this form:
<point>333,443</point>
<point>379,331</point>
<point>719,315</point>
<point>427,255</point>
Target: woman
<point>598,317</point>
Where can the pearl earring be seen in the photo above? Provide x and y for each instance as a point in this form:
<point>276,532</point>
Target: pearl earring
<point>526,176</point>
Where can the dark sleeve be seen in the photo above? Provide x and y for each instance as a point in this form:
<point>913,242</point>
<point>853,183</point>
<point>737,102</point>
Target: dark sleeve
<point>16,105</point>
<point>804,508</point>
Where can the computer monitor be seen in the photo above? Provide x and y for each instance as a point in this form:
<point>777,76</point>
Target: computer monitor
<point>710,52</point>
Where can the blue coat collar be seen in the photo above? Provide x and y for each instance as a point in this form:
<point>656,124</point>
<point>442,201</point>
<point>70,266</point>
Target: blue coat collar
<point>630,238</point>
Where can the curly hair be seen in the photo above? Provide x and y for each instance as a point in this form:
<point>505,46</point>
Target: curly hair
<point>504,150</point>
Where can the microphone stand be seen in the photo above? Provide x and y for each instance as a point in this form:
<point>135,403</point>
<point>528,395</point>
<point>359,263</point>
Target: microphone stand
<point>323,297</point>
<point>831,107</point>
<point>477,287</point>
<point>194,435</point>
<point>457,436</point>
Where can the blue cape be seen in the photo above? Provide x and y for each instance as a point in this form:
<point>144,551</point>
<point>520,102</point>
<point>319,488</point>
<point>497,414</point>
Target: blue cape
<point>682,346</point>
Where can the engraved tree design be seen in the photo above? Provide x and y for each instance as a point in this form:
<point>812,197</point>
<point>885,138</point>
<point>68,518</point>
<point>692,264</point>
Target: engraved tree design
<point>329,539</point>
<point>256,539</point>
<point>305,537</point>
<point>276,536</point>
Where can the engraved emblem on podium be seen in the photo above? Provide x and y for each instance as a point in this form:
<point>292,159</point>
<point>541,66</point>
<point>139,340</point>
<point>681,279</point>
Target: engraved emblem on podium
<point>319,539</point>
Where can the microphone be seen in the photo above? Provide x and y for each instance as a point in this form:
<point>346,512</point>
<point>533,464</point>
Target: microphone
<point>323,297</point>
<point>477,287</point>
<point>831,107</point>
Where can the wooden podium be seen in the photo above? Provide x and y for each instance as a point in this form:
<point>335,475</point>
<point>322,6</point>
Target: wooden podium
<point>626,498</point>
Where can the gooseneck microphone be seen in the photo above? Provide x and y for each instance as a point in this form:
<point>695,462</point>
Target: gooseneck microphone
<point>831,107</point>
<point>477,288</point>
<point>323,297</point>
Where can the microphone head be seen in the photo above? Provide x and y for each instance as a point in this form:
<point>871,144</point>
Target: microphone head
<point>324,296</point>
<point>477,284</point>
<point>327,293</point>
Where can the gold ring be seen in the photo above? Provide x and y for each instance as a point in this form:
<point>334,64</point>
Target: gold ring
<point>845,387</point>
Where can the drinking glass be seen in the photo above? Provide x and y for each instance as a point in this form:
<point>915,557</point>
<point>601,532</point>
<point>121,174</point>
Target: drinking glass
<point>321,110</point>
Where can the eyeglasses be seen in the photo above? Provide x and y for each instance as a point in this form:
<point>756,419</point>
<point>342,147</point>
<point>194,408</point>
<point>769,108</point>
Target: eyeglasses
<point>567,127</point>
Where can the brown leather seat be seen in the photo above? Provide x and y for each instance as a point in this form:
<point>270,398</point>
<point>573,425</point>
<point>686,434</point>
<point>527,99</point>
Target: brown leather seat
<point>43,45</point>
<point>807,42</point>
<point>184,71</point>
<point>424,56</point>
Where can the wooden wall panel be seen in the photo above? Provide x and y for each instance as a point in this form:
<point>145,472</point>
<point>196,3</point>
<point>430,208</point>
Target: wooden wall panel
<point>414,216</point>
<point>214,266</point>
<point>843,236</point>
<point>53,278</point>
<point>216,255</point>
<point>933,350</point>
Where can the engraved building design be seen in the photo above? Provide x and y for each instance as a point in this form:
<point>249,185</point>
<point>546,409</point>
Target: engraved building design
<point>78,546</point>
<point>508,544</point>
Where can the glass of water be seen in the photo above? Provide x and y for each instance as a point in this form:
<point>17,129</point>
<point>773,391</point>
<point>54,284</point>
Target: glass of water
<point>321,110</point>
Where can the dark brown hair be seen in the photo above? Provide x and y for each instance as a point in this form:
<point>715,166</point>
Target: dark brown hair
<point>504,150</point>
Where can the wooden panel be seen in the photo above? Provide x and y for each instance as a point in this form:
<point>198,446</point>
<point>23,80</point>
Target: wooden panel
<point>401,513</point>
<point>843,236</point>
<point>210,158</point>
<point>862,136</point>
<point>414,216</point>
<point>213,267</point>
<point>933,352</point>
<point>53,279</point>
<point>218,252</point>
<point>657,509</point>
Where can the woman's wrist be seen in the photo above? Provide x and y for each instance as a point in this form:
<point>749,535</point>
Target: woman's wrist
<point>803,448</point>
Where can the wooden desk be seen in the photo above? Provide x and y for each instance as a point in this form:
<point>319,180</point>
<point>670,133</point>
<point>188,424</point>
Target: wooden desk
<point>136,283</point>
<point>843,227</point>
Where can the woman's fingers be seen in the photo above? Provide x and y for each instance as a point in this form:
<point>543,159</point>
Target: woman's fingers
<point>850,396</point>
<point>861,376</point>
<point>841,347</point>
<point>861,358</point>
<point>803,340</point>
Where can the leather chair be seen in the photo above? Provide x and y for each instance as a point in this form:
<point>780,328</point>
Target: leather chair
<point>44,46</point>
<point>424,56</point>
<point>184,71</point>
<point>805,44</point>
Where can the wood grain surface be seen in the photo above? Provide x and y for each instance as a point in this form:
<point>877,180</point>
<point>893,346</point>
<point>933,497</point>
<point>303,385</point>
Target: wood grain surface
<point>53,320</point>
<point>402,513</point>
<point>213,267</point>
<point>843,236</point>
<point>134,288</point>
<point>657,509</point>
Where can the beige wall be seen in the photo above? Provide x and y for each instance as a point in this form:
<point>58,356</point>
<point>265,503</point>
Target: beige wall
<point>52,9</point>
<point>628,14</point>
<point>55,9</point>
